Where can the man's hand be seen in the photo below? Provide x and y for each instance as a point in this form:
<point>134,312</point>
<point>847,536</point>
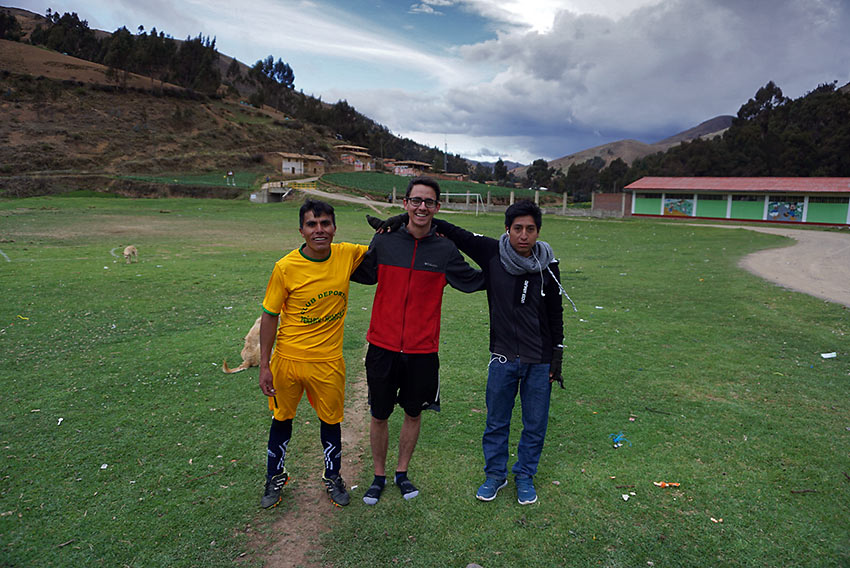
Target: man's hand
<point>267,381</point>
<point>555,366</point>
<point>388,226</point>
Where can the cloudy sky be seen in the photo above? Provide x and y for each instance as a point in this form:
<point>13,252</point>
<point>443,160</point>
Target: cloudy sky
<point>517,79</point>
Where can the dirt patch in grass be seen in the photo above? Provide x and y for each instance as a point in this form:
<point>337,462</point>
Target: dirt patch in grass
<point>818,264</point>
<point>305,512</point>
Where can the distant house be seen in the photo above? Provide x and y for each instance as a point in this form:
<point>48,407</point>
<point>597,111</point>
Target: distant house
<point>410,168</point>
<point>454,177</point>
<point>356,158</point>
<point>813,200</point>
<point>301,164</point>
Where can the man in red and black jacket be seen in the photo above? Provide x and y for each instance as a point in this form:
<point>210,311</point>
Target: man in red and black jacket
<point>411,267</point>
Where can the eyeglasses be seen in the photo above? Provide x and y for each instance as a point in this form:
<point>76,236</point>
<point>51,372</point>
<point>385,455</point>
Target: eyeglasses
<point>417,201</point>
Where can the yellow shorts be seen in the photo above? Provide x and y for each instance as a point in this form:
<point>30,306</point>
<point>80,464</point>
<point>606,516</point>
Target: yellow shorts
<point>324,382</point>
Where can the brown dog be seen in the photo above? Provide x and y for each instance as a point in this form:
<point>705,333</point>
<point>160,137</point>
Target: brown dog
<point>131,251</point>
<point>251,351</point>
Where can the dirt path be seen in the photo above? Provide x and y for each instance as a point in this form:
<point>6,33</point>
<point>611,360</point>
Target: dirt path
<point>305,514</point>
<point>818,264</point>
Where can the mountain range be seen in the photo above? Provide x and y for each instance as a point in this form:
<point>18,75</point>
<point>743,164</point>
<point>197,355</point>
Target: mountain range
<point>630,150</point>
<point>25,59</point>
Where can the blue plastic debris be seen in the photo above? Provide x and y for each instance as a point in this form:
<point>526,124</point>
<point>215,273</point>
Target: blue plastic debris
<point>618,439</point>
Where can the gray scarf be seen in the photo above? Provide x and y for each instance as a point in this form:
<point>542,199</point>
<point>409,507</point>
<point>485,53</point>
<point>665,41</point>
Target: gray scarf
<point>539,260</point>
<point>516,264</point>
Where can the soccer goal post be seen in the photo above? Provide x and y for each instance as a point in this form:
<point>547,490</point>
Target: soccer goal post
<point>463,199</point>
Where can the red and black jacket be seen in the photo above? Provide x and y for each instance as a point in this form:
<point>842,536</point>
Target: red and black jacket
<point>411,274</point>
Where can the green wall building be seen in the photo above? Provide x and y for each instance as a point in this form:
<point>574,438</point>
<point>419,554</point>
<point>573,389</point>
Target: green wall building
<point>824,201</point>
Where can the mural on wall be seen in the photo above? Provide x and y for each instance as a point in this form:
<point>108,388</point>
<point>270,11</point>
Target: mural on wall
<point>678,206</point>
<point>785,211</point>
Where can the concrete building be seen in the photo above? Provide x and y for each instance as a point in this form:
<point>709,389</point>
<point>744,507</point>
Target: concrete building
<point>410,168</point>
<point>355,158</point>
<point>814,200</point>
<point>300,164</point>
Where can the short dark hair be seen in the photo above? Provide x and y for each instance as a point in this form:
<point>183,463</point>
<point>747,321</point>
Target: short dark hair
<point>521,208</point>
<point>423,180</point>
<point>318,208</point>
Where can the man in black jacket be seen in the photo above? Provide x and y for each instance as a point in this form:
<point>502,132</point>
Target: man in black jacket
<point>526,336</point>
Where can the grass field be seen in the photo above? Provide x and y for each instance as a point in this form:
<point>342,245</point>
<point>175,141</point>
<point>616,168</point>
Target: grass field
<point>244,179</point>
<point>124,444</point>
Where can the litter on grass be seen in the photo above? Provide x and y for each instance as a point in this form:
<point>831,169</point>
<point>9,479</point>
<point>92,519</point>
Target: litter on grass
<point>619,439</point>
<point>665,484</point>
<point>832,355</point>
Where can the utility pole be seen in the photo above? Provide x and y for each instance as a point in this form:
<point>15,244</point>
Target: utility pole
<point>445,154</point>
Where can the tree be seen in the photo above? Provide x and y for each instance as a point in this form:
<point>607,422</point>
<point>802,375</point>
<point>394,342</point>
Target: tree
<point>118,54</point>
<point>500,171</point>
<point>612,178</point>
<point>583,179</point>
<point>233,69</point>
<point>67,34</point>
<point>195,65</point>
<point>458,164</point>
<point>283,74</point>
<point>9,27</point>
<point>539,173</point>
<point>558,183</point>
<point>482,173</point>
<point>280,72</point>
<point>767,98</point>
<point>438,162</point>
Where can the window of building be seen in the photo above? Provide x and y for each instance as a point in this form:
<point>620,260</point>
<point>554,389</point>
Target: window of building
<point>711,197</point>
<point>747,198</point>
<point>821,199</point>
<point>649,195</point>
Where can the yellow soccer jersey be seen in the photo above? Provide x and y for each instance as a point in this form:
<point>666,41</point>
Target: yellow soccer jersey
<point>311,297</point>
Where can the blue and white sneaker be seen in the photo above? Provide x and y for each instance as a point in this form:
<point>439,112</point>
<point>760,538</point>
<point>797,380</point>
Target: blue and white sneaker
<point>525,493</point>
<point>489,489</point>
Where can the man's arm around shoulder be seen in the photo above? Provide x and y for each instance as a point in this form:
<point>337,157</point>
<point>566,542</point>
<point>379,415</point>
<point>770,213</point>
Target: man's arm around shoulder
<point>461,276</point>
<point>478,247</point>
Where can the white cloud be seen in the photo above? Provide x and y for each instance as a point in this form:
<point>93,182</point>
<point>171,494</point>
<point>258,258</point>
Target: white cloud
<point>660,69</point>
<point>539,15</point>
<point>424,8</point>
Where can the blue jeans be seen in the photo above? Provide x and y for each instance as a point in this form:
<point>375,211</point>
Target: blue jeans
<point>503,381</point>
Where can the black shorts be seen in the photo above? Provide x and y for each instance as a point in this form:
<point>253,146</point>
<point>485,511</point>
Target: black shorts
<point>412,380</point>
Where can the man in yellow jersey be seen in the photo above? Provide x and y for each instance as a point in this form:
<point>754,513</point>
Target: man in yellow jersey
<point>303,315</point>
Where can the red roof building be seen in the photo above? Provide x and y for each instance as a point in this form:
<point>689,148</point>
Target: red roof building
<point>814,200</point>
